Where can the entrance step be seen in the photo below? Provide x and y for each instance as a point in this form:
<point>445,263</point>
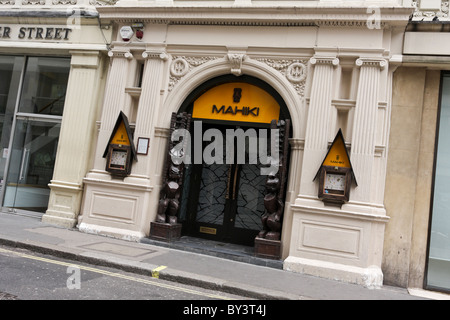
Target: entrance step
<point>217,249</point>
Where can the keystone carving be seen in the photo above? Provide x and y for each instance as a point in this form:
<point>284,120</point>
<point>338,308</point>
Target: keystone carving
<point>236,60</point>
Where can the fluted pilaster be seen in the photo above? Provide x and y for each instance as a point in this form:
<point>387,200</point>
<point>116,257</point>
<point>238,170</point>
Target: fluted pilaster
<point>149,99</point>
<point>77,133</point>
<point>115,88</point>
<point>316,138</point>
<point>364,125</point>
<point>114,100</point>
<point>151,87</point>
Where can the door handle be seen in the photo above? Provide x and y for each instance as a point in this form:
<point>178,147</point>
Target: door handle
<point>235,180</point>
<point>25,155</point>
<point>227,194</point>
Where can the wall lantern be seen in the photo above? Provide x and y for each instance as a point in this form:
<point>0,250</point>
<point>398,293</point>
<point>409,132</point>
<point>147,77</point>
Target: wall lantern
<point>336,173</point>
<point>120,150</point>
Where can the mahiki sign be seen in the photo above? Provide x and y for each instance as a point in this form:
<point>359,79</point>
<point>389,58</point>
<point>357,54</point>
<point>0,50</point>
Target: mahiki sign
<point>241,102</point>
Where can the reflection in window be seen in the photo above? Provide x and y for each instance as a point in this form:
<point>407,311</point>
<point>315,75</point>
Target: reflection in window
<point>30,86</point>
<point>10,73</point>
<point>44,87</point>
<point>438,275</point>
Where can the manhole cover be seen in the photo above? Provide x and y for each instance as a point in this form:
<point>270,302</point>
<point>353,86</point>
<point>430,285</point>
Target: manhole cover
<point>7,296</point>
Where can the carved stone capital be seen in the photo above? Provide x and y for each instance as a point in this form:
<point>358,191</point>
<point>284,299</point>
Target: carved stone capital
<point>371,62</point>
<point>155,55</point>
<point>297,144</point>
<point>333,61</point>
<point>120,54</point>
<point>162,132</point>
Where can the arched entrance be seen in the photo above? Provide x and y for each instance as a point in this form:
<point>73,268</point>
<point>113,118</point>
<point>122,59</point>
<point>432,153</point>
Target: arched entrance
<point>225,184</point>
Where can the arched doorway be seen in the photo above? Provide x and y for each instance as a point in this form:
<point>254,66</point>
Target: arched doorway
<point>224,188</point>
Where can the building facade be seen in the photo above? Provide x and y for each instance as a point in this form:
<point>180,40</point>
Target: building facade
<point>324,71</point>
<point>53,68</point>
<point>341,90</point>
<point>417,236</point>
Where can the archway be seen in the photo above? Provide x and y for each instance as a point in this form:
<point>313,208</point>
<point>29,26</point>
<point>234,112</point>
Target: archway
<point>224,198</point>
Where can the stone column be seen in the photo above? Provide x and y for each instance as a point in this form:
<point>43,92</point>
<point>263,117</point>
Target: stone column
<point>149,102</point>
<point>114,100</point>
<point>316,137</point>
<point>343,242</point>
<point>365,127</point>
<point>75,140</point>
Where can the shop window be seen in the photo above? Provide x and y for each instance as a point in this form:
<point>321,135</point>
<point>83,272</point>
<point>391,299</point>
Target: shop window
<point>44,87</point>
<point>32,96</point>
<point>438,267</point>
<point>10,76</point>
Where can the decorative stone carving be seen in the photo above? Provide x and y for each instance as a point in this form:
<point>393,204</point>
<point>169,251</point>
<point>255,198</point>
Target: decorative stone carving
<point>100,3</point>
<point>120,54</point>
<point>173,176</point>
<point>325,60</point>
<point>33,2</point>
<point>236,60</point>
<point>275,187</point>
<point>371,62</point>
<point>179,67</point>
<point>294,70</point>
<point>155,55</point>
<point>11,2</point>
<point>64,2</point>
<point>182,65</point>
<point>431,14</point>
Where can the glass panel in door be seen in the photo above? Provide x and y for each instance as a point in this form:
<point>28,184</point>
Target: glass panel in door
<point>10,77</point>
<point>230,198</point>
<point>250,198</point>
<point>212,195</point>
<point>31,164</point>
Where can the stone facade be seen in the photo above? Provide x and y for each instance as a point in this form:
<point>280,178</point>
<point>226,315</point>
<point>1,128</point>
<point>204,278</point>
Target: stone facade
<point>371,70</point>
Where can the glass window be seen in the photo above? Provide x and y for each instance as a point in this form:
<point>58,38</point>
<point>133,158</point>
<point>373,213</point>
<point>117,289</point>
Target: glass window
<point>32,93</point>
<point>438,274</point>
<point>44,87</point>
<point>33,155</point>
<point>10,76</point>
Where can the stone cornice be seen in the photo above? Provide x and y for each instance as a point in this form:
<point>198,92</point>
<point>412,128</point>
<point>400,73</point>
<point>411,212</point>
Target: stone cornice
<point>256,16</point>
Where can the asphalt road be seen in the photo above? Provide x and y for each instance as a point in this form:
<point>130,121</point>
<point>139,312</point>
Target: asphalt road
<point>25,275</point>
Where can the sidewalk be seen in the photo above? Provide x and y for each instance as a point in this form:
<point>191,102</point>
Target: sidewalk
<point>185,262</point>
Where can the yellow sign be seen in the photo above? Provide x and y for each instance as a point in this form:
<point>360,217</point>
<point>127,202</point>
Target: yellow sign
<point>237,101</point>
<point>337,155</point>
<point>121,136</point>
